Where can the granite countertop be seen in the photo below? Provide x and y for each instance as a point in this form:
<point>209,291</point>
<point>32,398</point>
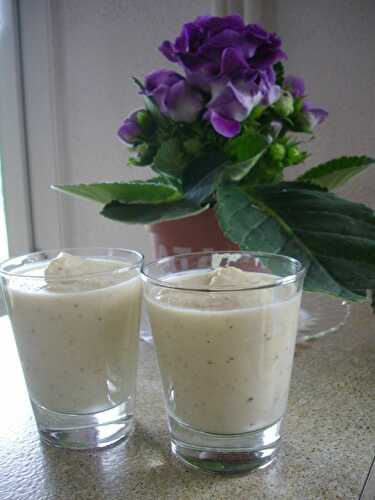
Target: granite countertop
<point>328,445</point>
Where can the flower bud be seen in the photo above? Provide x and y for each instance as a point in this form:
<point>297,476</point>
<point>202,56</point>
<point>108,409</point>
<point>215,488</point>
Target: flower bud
<point>293,155</point>
<point>130,130</point>
<point>277,152</point>
<point>284,106</point>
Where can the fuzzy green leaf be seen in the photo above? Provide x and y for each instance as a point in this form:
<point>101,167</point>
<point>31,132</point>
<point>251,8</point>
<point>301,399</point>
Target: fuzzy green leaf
<point>201,174</point>
<point>196,195</point>
<point>157,190</point>
<point>150,214</point>
<point>170,158</point>
<point>245,152</point>
<point>237,171</point>
<point>332,237</point>
<point>336,172</point>
<point>245,147</point>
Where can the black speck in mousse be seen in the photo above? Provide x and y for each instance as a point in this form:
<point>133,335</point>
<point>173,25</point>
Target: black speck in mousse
<point>249,400</point>
<point>209,362</point>
<point>231,358</point>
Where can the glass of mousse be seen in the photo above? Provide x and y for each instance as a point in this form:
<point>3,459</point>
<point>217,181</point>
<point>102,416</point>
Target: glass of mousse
<point>224,326</point>
<point>75,315</point>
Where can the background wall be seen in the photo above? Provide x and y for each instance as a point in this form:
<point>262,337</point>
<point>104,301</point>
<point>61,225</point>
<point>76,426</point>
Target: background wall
<point>78,89</point>
<point>331,43</point>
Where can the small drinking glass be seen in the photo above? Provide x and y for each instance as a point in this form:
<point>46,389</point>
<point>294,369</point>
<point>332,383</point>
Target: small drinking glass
<point>77,339</point>
<point>224,326</point>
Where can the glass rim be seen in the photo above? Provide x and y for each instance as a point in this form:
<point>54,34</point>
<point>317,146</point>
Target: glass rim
<point>285,280</point>
<point>54,278</point>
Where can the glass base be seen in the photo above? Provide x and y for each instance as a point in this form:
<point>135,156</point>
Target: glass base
<point>321,314</point>
<point>224,453</point>
<point>86,431</point>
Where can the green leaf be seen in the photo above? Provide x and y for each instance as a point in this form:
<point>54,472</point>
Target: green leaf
<point>149,214</point>
<point>280,72</point>
<point>334,238</point>
<point>246,146</point>
<point>197,189</point>
<point>203,189</point>
<point>237,171</point>
<point>245,151</point>
<point>265,171</point>
<point>199,167</point>
<point>336,172</point>
<point>170,158</point>
<point>156,190</point>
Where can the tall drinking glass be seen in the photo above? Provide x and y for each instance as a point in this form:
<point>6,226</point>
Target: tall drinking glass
<point>75,320</point>
<point>224,326</point>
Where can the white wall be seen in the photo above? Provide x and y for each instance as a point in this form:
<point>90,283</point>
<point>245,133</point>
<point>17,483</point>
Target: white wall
<point>332,44</point>
<point>95,46</point>
<point>82,79</point>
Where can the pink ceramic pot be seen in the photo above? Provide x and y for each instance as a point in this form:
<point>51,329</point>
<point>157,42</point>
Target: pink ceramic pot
<point>192,234</point>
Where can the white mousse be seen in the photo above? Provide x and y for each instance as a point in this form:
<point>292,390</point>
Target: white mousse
<point>225,357</point>
<point>76,324</point>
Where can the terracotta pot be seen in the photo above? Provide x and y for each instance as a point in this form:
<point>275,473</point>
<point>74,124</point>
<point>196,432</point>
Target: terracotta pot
<point>191,234</point>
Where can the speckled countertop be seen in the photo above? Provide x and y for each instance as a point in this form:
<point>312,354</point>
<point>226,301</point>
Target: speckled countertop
<point>328,446</point>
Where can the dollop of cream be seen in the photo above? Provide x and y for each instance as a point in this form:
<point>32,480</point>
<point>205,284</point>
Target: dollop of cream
<point>231,289</point>
<point>76,273</point>
<point>66,265</point>
<point>232,277</point>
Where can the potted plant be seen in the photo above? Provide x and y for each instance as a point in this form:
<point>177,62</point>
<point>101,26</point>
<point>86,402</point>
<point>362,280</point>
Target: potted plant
<point>219,136</point>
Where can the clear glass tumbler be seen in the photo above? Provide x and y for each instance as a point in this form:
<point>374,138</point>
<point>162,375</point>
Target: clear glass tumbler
<point>224,326</point>
<point>77,334</point>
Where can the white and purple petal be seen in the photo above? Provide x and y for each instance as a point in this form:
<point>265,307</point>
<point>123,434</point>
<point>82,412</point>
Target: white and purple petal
<point>183,103</point>
<point>315,115</point>
<point>223,126</point>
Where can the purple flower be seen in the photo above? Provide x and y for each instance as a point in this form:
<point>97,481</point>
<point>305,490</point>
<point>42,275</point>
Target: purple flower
<point>295,85</point>
<point>173,95</point>
<point>130,130</point>
<point>232,63</point>
<point>231,106</point>
<point>315,115</point>
<point>202,49</point>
